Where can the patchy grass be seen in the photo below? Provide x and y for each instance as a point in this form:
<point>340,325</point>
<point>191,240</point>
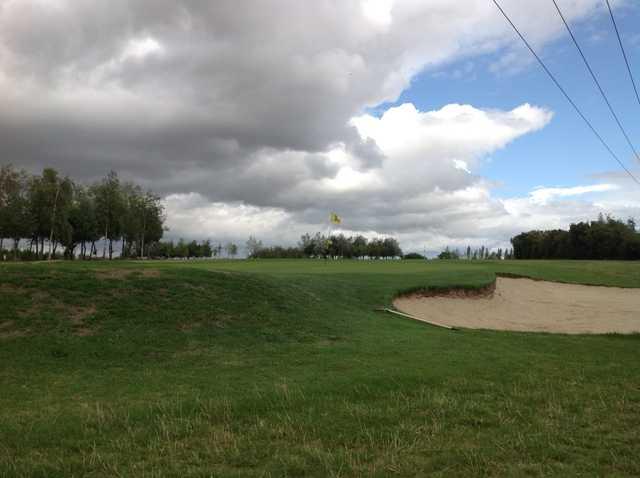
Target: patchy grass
<point>282,368</point>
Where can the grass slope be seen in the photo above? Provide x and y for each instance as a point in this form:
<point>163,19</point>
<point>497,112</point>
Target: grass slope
<point>282,368</point>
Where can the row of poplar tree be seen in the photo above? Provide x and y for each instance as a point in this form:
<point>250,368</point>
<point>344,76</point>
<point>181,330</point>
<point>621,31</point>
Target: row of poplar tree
<point>73,219</point>
<point>482,253</point>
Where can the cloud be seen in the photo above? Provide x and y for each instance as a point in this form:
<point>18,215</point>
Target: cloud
<point>424,183</point>
<point>260,111</point>
<point>544,195</point>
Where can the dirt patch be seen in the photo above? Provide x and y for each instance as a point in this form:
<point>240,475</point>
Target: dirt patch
<point>125,273</point>
<point>533,306</point>
<point>8,330</point>
<point>12,334</point>
<point>83,332</point>
<point>187,327</point>
<point>11,289</point>
<point>113,273</point>
<point>150,273</point>
<point>39,301</point>
<point>77,316</point>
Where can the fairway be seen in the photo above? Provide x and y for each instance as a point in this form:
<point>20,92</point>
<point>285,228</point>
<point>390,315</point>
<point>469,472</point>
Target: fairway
<point>284,368</point>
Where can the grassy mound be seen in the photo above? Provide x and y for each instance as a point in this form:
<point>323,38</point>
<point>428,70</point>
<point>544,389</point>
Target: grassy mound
<point>283,368</point>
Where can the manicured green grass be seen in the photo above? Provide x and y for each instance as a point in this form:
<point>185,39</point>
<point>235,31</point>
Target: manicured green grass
<point>283,368</point>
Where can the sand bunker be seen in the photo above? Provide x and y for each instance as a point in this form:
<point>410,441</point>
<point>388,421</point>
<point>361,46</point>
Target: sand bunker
<point>535,306</point>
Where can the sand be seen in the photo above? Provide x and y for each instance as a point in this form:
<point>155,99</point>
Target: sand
<point>534,306</point>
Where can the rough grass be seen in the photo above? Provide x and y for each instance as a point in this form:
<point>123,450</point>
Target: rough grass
<point>283,368</point>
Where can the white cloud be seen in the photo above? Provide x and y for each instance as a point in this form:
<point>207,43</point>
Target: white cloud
<point>543,195</point>
<point>251,120</point>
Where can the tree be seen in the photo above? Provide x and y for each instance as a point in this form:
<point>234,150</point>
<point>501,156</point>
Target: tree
<point>391,248</point>
<point>360,246</point>
<point>231,249</point>
<point>110,208</point>
<point>413,255</point>
<point>605,238</point>
<point>49,198</point>
<point>253,246</point>
<point>83,222</point>
<point>448,254</point>
<point>15,220</point>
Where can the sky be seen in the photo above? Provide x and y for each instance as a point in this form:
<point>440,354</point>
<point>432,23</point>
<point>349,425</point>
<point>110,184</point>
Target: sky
<point>426,120</point>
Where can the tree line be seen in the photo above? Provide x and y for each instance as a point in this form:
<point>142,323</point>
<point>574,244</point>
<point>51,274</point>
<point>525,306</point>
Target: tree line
<point>605,238</point>
<point>481,253</point>
<point>334,246</point>
<point>193,249</point>
<point>75,219</point>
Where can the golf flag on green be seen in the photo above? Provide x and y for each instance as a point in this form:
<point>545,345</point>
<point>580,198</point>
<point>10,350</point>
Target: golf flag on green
<point>335,219</point>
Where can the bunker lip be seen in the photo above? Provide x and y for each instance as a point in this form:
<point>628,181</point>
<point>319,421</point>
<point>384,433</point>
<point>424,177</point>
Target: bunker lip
<point>529,305</point>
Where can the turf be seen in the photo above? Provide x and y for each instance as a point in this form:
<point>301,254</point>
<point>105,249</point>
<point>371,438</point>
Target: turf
<point>283,368</point>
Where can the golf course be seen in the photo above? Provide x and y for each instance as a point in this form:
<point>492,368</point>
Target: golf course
<point>285,368</point>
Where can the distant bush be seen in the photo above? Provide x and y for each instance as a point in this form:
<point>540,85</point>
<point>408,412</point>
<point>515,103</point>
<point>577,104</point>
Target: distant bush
<point>449,254</point>
<point>413,255</point>
<point>278,252</point>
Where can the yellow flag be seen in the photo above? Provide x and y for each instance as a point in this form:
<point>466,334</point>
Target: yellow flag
<point>335,219</point>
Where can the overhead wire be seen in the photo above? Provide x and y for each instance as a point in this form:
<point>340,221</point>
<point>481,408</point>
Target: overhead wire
<point>624,53</point>
<point>595,80</point>
<point>566,95</point>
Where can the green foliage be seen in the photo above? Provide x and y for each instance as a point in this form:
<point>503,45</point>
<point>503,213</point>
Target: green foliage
<point>449,254</point>
<point>413,255</point>
<point>606,238</point>
<point>49,209</point>
<point>334,246</point>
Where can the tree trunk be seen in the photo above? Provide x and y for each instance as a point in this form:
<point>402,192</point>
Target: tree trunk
<point>53,219</point>
<point>104,244</point>
<point>110,249</point>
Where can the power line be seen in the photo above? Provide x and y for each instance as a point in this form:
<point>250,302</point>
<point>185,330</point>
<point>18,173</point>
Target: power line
<point>624,53</point>
<point>595,79</point>
<point>566,95</point>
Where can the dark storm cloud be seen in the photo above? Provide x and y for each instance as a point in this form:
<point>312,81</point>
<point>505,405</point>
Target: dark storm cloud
<point>242,102</point>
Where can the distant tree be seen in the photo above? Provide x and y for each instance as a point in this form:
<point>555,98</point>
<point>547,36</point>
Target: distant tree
<point>15,221</point>
<point>413,255</point>
<point>468,255</point>
<point>360,246</point>
<point>253,246</point>
<point>391,248</point>
<point>231,249</point>
<point>605,238</point>
<point>110,209</point>
<point>448,254</point>
<point>83,221</point>
<point>206,248</point>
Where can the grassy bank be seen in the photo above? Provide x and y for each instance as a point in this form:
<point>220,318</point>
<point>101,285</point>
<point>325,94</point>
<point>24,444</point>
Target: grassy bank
<point>282,368</point>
